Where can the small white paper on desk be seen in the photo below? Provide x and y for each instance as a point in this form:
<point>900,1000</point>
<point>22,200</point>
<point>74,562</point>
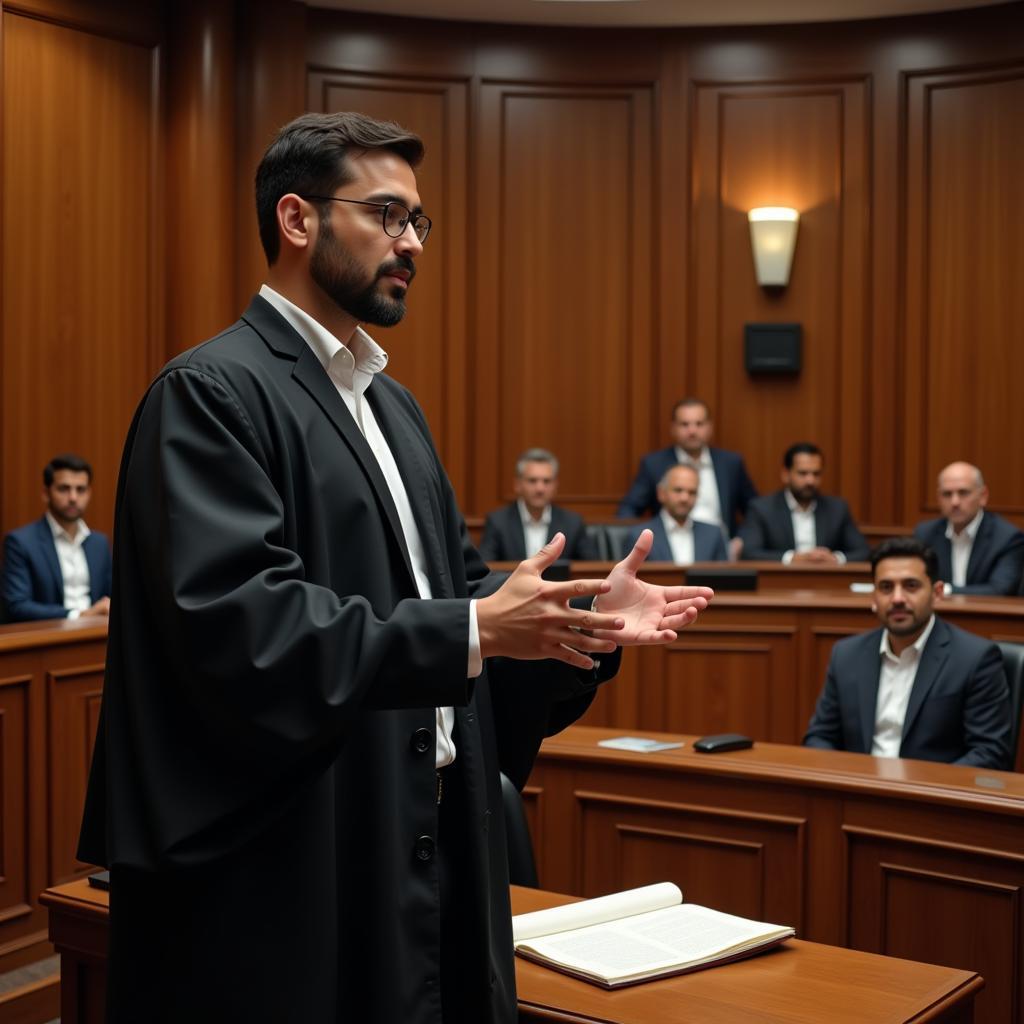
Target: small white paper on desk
<point>638,744</point>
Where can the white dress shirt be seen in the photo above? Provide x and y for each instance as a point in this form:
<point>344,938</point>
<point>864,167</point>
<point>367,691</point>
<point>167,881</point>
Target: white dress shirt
<point>74,568</point>
<point>680,538</point>
<point>352,369</point>
<point>960,545</point>
<point>895,681</point>
<point>535,531</point>
<point>709,506</point>
<point>805,532</point>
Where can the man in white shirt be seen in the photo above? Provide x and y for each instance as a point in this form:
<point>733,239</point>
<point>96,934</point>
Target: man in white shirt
<point>725,486</point>
<point>521,528</point>
<point>678,534</point>
<point>56,567</point>
<point>313,680</point>
<point>918,687</point>
<point>979,552</point>
<point>799,524</point>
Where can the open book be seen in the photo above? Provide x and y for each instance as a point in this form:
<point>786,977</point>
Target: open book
<point>637,935</point>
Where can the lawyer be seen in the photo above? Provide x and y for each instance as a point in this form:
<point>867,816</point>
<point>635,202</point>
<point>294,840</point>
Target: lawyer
<point>295,782</point>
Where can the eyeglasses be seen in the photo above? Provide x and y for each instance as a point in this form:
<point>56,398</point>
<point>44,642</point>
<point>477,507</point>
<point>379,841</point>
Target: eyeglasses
<point>395,217</point>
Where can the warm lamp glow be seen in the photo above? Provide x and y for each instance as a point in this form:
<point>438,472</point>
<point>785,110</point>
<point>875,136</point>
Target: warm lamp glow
<point>773,239</point>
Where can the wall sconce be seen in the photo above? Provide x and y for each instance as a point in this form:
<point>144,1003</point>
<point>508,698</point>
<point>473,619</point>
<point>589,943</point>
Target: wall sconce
<point>773,239</point>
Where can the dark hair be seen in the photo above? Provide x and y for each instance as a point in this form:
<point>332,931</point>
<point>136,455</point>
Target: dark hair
<point>66,461</point>
<point>800,448</point>
<point>308,156</point>
<point>906,547</point>
<point>688,401</point>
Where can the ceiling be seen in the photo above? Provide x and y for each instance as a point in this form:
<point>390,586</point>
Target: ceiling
<point>651,12</point>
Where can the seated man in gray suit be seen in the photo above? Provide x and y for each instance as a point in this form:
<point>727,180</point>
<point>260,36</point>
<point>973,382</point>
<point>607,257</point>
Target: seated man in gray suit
<point>520,529</point>
<point>979,552</point>
<point>678,537</point>
<point>799,524</point>
<point>918,687</point>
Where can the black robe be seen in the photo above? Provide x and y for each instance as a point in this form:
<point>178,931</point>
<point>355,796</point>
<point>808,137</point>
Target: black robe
<point>261,788</point>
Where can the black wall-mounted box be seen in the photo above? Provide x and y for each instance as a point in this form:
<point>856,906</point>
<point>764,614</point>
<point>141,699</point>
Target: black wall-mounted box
<point>772,348</point>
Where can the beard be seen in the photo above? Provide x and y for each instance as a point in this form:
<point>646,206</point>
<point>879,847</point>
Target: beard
<point>338,273</point>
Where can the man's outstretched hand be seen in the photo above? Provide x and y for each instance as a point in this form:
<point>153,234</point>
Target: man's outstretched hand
<point>651,614</point>
<point>528,617</point>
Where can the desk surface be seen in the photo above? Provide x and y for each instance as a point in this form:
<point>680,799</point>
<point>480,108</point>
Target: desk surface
<point>892,777</point>
<point>799,983</point>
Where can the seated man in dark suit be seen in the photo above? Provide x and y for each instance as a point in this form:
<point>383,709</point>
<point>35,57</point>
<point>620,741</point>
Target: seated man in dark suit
<point>725,487</point>
<point>520,529</point>
<point>57,567</point>
<point>799,524</point>
<point>917,687</point>
<point>979,552</point>
<point>678,537</point>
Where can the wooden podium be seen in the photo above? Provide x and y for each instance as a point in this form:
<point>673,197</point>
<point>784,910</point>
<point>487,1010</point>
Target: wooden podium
<point>799,983</point>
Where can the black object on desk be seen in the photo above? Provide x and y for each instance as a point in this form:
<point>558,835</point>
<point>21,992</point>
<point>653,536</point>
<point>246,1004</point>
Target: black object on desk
<point>100,880</point>
<point>721,742</point>
<point>722,579</point>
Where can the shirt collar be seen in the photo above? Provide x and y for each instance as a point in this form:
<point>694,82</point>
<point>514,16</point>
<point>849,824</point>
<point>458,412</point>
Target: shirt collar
<point>970,531</point>
<point>58,531</point>
<point>353,366</point>
<point>703,462</point>
<point>885,648</point>
<point>524,514</point>
<point>672,526</point>
<point>794,505</point>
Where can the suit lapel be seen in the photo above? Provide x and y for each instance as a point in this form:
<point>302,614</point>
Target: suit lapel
<point>933,659</point>
<point>49,548</point>
<point>867,688</point>
<point>979,548</point>
<point>786,520</point>
<point>415,466</point>
<point>91,552</point>
<point>822,527</point>
<point>310,375</point>
<point>724,494</point>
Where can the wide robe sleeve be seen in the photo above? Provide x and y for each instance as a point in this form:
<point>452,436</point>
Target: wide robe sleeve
<point>234,671</point>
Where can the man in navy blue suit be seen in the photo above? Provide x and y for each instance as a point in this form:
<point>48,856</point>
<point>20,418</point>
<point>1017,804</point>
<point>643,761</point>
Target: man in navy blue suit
<point>979,552</point>
<point>57,567</point>
<point>725,486</point>
<point>918,687</point>
<point>678,537</point>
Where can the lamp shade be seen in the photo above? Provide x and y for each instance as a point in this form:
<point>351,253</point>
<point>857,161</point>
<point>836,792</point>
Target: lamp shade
<point>773,239</point>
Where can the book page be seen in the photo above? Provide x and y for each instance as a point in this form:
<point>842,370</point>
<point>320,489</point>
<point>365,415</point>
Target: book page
<point>595,911</point>
<point>654,942</point>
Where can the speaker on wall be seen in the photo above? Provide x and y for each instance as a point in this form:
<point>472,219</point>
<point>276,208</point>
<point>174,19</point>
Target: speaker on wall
<point>772,348</point>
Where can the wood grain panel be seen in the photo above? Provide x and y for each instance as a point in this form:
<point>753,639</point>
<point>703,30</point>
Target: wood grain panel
<point>564,239</point>
<point>742,863</point>
<point>939,903</point>
<point>73,713</point>
<point>15,898</point>
<point>728,681</point>
<point>271,92</point>
<point>783,145</point>
<point>80,333</point>
<point>427,351</point>
<point>965,261</point>
<point>200,171</point>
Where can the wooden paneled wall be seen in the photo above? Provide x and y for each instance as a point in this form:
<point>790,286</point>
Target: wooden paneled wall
<point>590,261</point>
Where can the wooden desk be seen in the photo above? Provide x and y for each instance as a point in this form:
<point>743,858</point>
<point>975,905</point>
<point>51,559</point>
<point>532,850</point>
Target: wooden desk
<point>799,983</point>
<point>904,858</point>
<point>755,662</point>
<point>804,983</point>
<point>51,678</point>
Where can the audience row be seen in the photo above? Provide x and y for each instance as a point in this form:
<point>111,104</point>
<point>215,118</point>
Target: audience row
<point>704,507</point>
